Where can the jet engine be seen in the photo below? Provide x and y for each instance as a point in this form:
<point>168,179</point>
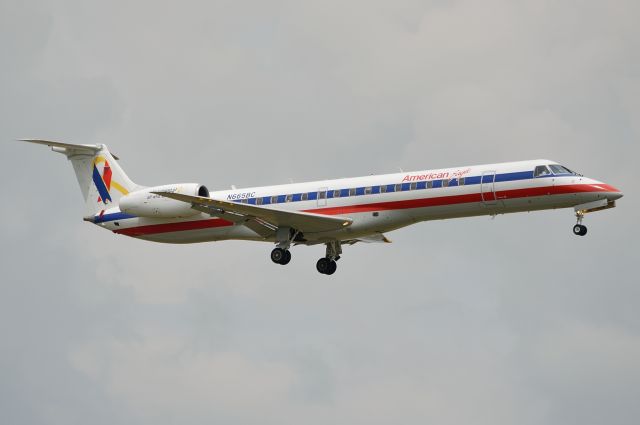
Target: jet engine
<point>144,203</point>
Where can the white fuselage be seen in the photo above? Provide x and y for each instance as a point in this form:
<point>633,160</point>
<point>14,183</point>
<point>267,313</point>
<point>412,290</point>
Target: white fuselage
<point>381,203</point>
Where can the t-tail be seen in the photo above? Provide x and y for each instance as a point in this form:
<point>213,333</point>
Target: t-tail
<point>102,181</point>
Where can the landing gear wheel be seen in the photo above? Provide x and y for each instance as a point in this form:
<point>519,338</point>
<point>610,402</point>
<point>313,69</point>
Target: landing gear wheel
<point>323,265</point>
<point>326,266</point>
<point>277,255</point>
<point>286,259</point>
<point>332,267</point>
<point>579,230</point>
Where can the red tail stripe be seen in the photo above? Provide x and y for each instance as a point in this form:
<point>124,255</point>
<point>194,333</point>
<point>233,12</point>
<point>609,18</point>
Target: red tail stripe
<point>106,175</point>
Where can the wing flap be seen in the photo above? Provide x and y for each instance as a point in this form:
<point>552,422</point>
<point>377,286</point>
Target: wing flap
<point>302,221</point>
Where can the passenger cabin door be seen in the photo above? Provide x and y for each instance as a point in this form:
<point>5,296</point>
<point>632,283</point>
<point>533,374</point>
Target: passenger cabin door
<point>488,188</point>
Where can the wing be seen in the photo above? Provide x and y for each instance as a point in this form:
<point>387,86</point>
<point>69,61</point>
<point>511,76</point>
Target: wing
<point>268,217</point>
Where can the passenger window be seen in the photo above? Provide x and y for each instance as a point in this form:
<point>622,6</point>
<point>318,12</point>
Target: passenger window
<point>274,199</point>
<point>368,190</point>
<point>399,187</point>
<point>413,186</point>
<point>336,193</point>
<point>445,183</point>
<point>352,192</point>
<point>541,171</point>
<point>430,184</point>
<point>289,198</point>
<point>322,195</point>
<point>383,189</point>
<point>305,196</point>
<point>461,181</point>
<point>258,201</point>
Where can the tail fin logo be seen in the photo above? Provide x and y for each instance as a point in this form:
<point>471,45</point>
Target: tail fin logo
<point>102,178</point>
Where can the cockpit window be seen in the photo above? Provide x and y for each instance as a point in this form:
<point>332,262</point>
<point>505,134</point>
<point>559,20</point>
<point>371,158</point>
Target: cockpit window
<point>541,170</point>
<point>559,169</point>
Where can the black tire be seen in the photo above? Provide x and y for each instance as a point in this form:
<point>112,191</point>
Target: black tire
<point>577,230</point>
<point>287,257</point>
<point>277,255</point>
<point>323,265</point>
<point>332,267</point>
<point>583,231</point>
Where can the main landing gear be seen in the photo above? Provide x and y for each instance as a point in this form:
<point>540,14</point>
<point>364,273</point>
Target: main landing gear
<point>579,229</point>
<point>281,256</point>
<point>327,265</point>
<point>285,237</point>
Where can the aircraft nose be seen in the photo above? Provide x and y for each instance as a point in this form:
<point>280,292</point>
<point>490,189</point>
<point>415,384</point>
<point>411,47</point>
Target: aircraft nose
<point>614,193</point>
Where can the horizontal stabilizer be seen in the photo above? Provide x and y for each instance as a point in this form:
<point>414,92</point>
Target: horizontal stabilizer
<point>60,145</point>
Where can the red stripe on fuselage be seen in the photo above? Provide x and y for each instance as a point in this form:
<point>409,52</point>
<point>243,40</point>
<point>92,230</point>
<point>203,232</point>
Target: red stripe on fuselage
<point>174,227</point>
<point>384,206</point>
<point>463,199</point>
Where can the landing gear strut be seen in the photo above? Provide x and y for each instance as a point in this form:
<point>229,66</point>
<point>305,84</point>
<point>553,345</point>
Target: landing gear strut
<point>579,229</point>
<point>327,265</point>
<point>281,254</point>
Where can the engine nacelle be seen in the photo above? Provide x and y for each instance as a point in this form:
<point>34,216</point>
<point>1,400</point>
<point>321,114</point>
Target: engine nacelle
<point>143,203</point>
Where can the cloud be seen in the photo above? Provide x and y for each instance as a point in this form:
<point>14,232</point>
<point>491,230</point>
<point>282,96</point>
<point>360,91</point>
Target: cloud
<point>472,320</point>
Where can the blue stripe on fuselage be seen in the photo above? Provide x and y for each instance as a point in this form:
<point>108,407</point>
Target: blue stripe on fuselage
<point>421,185</point>
<point>112,217</point>
<point>521,175</point>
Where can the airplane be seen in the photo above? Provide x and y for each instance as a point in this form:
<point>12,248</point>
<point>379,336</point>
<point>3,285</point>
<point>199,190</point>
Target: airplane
<point>329,212</point>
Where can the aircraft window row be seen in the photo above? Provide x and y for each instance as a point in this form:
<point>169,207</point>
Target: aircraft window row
<point>354,191</point>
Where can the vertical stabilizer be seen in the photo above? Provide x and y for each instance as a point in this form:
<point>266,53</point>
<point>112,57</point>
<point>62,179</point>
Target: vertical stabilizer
<point>102,181</point>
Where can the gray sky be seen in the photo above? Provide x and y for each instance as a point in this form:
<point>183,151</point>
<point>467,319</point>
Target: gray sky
<point>512,320</point>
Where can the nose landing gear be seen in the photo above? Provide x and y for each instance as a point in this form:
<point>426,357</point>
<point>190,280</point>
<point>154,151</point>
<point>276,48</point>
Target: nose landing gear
<point>579,229</point>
